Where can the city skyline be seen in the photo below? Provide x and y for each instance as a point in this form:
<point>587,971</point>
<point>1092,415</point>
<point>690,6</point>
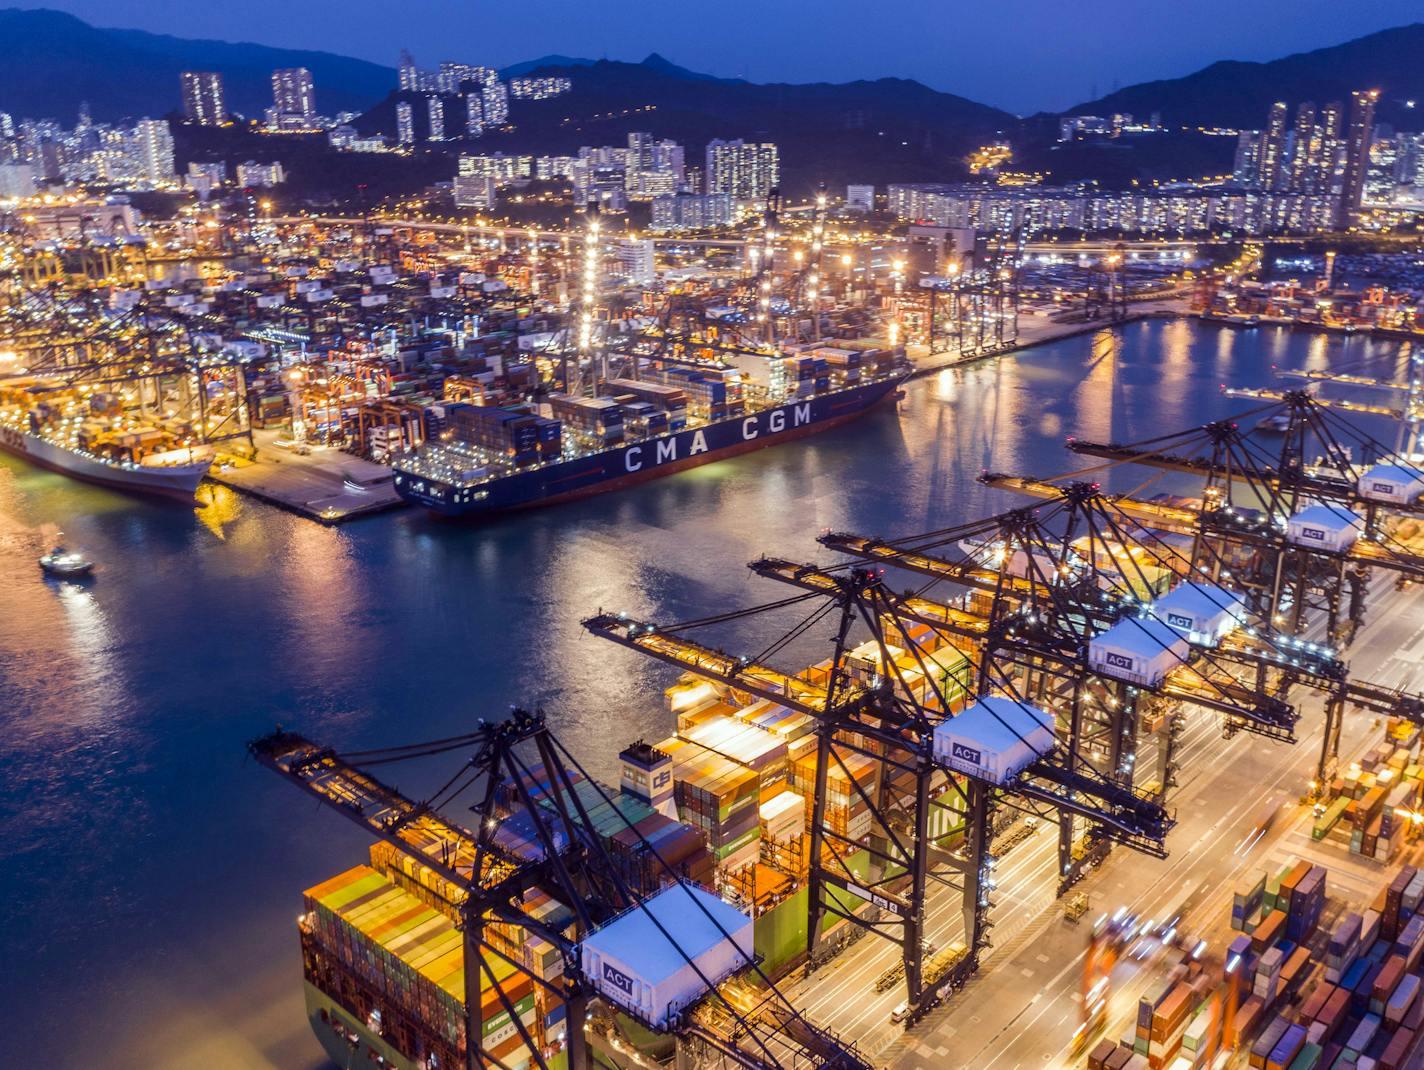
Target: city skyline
<point>1068,58</point>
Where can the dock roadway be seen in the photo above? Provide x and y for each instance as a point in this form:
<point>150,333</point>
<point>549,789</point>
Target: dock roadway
<point>1022,1007</point>
<point>323,484</point>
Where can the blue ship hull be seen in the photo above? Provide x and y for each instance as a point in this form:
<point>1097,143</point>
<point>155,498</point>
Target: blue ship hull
<point>638,462</point>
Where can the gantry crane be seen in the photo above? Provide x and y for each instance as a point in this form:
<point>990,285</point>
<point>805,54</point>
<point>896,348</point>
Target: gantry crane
<point>890,717</point>
<point>1250,491</point>
<point>57,337</point>
<point>1048,585</point>
<point>517,769</point>
<point>1289,587</point>
<point>1410,415</point>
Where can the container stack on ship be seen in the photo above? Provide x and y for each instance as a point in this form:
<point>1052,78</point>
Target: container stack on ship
<point>644,396</point>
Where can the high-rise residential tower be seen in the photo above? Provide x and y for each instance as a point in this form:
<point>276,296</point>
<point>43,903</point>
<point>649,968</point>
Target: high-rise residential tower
<point>203,101</point>
<point>292,93</point>
<point>746,170</point>
<point>405,123</point>
<point>1357,154</point>
<point>1273,145</point>
<point>155,147</point>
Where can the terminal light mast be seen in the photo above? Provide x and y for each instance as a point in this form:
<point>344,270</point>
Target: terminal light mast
<point>813,289</point>
<point>588,302</point>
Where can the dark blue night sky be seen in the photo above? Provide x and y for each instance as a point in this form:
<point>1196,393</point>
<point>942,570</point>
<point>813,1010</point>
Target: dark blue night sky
<point>1023,55</point>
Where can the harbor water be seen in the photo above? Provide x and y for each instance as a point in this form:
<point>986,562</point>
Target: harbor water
<point>151,874</point>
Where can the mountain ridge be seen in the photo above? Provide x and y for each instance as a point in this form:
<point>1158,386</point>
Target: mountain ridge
<point>1240,92</point>
<point>889,129</point>
<point>55,61</point>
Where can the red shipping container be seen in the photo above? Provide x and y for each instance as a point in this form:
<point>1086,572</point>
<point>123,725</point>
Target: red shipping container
<point>1337,1009</point>
<point>1315,1003</point>
<point>1397,1051</point>
<point>1388,977</point>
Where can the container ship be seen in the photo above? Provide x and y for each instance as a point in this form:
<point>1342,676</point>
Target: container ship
<point>493,459</point>
<point>87,436</point>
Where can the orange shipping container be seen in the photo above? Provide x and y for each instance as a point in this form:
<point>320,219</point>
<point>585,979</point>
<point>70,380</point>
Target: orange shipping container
<point>1271,929</point>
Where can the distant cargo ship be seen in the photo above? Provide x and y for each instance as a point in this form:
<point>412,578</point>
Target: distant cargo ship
<point>169,474</point>
<point>440,476</point>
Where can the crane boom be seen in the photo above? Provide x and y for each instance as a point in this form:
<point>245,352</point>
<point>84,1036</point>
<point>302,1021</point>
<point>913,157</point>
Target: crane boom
<point>774,685</point>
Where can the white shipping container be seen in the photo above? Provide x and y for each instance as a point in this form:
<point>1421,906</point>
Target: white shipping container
<point>1414,891</point>
<point>994,739</point>
<point>315,296</point>
<point>1137,650</point>
<point>858,827</point>
<point>1325,527</point>
<point>1369,930</point>
<point>269,301</point>
<point>306,286</point>
<point>865,663</point>
<point>536,340</point>
<point>373,300</point>
<point>634,965</point>
<point>442,291</point>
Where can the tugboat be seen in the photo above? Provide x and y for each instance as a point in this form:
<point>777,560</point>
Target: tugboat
<point>66,564</point>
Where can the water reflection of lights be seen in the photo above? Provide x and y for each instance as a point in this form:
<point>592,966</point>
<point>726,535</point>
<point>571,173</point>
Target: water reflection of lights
<point>1318,353</point>
<point>218,506</point>
<point>1225,345</point>
<point>1094,401</point>
<point>946,385</point>
<point>91,640</point>
<point>323,585</point>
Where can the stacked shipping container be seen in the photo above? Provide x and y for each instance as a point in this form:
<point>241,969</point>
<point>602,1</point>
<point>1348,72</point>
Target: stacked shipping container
<point>520,438</point>
<point>1363,811</point>
<point>1364,1011</point>
<point>398,966</point>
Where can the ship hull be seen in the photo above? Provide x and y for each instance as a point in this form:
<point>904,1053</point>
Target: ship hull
<point>627,466</point>
<point>177,482</point>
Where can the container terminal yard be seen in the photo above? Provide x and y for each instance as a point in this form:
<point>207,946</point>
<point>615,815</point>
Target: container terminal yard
<point>344,366</point>
<point>1086,782</point>
<point>302,360</point>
